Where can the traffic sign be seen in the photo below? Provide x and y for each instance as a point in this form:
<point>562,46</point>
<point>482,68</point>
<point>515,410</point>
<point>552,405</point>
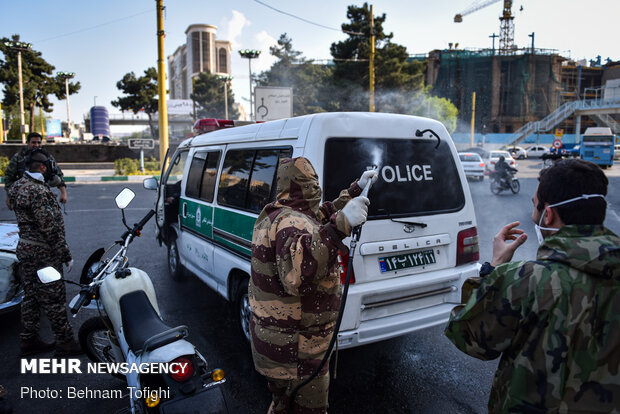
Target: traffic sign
<point>557,144</point>
<point>141,143</point>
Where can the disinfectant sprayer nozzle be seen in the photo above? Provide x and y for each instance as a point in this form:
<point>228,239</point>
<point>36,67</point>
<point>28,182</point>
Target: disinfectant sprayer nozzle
<point>366,188</point>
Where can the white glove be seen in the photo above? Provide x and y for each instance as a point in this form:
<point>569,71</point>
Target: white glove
<point>69,265</point>
<point>368,175</point>
<point>356,211</point>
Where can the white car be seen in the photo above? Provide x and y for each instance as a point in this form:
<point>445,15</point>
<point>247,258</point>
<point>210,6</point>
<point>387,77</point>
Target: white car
<point>617,152</point>
<point>518,153</point>
<point>472,165</point>
<point>537,151</point>
<point>494,157</point>
<point>11,291</point>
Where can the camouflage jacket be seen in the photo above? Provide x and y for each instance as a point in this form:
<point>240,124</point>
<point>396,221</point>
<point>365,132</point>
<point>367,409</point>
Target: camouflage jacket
<point>39,217</point>
<point>17,165</point>
<point>555,322</point>
<point>295,287</point>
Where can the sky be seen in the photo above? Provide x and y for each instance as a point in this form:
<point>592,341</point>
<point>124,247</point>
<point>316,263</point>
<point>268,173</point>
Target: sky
<point>102,41</point>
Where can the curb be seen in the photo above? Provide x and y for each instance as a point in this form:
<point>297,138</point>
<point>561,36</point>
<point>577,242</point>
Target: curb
<point>110,178</point>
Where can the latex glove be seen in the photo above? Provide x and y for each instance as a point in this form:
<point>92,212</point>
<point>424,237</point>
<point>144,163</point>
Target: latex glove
<point>69,265</point>
<point>368,175</point>
<point>356,211</point>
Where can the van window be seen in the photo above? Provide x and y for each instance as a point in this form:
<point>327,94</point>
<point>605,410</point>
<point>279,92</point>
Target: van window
<point>207,189</point>
<point>192,188</point>
<point>263,173</point>
<point>247,181</point>
<point>234,178</point>
<point>415,178</point>
<point>174,177</point>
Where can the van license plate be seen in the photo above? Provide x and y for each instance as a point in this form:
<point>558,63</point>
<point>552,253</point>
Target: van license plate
<point>404,261</point>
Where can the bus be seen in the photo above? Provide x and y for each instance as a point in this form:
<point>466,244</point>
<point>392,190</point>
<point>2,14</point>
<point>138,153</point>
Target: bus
<point>597,145</point>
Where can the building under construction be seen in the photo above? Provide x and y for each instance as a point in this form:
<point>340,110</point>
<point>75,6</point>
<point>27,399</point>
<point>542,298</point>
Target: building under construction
<point>514,89</point>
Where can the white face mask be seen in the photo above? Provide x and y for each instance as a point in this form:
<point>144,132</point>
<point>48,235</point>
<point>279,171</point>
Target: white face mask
<point>538,227</point>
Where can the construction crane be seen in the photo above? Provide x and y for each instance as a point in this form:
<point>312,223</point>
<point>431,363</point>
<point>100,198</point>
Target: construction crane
<point>506,27</point>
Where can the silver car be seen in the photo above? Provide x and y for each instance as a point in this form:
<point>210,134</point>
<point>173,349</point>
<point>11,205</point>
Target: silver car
<point>11,292</point>
<point>472,165</point>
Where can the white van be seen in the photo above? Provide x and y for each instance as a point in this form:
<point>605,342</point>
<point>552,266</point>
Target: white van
<point>418,246</point>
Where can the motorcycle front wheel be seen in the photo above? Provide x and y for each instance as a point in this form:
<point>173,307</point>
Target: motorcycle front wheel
<point>515,186</point>
<point>94,337</point>
<point>496,187</point>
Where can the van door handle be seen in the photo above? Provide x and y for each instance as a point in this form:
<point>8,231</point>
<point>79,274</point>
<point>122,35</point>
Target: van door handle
<point>184,210</point>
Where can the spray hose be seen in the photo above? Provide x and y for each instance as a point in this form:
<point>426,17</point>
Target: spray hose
<point>355,236</point>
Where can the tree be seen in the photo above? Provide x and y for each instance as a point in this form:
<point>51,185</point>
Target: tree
<point>310,82</point>
<point>141,95</point>
<point>209,97</point>
<point>37,80</point>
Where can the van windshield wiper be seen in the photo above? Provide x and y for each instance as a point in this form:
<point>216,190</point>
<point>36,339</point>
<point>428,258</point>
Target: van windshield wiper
<point>413,223</point>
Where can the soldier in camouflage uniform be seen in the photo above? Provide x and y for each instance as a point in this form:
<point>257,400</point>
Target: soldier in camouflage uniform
<point>554,321</point>
<point>17,166</point>
<point>295,287</point>
<point>41,244</point>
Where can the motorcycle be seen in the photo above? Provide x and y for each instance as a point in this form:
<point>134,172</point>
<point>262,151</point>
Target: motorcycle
<point>129,331</point>
<point>499,184</point>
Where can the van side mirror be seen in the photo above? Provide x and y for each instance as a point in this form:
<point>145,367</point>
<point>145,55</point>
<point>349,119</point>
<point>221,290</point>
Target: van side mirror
<point>48,275</point>
<point>124,198</point>
<point>150,183</point>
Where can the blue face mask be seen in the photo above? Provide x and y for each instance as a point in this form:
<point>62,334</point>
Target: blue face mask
<point>538,227</point>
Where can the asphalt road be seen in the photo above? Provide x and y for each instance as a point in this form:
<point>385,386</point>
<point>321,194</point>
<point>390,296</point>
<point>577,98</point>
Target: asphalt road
<point>417,373</point>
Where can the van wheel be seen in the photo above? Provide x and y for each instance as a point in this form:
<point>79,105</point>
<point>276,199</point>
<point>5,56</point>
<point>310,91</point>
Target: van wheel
<point>175,268</point>
<point>244,313</point>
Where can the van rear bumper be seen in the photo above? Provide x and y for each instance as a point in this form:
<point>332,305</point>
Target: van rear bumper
<point>433,297</point>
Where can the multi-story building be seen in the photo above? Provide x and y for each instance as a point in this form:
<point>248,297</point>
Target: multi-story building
<point>202,52</point>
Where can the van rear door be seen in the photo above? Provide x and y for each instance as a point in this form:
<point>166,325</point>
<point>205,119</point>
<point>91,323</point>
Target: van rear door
<point>417,206</point>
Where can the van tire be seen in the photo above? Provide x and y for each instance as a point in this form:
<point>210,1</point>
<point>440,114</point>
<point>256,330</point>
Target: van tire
<point>175,268</point>
<point>243,312</point>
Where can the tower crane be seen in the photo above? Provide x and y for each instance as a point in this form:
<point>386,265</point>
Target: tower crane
<point>506,27</point>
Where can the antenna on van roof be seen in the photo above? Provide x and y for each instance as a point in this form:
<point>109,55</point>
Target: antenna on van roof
<point>419,133</point>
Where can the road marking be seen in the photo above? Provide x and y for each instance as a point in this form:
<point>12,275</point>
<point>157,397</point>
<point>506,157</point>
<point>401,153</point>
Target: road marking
<point>615,215</point>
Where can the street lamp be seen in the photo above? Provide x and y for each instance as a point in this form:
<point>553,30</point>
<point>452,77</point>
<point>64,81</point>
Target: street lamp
<point>19,47</point>
<point>226,79</point>
<point>250,54</point>
<point>66,76</point>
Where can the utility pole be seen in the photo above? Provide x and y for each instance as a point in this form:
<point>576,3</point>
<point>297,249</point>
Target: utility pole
<point>371,106</point>
<point>473,118</point>
<point>1,125</point>
<point>250,54</point>
<point>161,83</point>
<point>493,36</point>
<point>66,76</point>
<point>19,47</point>
<point>532,36</point>
<point>225,79</point>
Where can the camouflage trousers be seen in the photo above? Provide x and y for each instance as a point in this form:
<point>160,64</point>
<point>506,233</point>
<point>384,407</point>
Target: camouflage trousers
<point>51,297</point>
<point>310,399</point>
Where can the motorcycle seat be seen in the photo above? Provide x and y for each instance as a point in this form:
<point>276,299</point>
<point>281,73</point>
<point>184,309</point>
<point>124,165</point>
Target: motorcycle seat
<point>142,326</point>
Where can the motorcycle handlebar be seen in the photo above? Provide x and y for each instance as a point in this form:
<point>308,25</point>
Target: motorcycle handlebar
<point>138,226</point>
<point>82,300</point>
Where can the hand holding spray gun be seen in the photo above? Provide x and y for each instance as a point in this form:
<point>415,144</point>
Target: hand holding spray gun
<point>356,210</point>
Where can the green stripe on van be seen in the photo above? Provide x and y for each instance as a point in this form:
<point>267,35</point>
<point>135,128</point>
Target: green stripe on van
<point>236,225</point>
<point>198,217</point>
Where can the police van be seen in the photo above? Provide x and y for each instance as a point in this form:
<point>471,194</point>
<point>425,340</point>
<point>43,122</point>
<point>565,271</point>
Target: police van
<point>417,248</point>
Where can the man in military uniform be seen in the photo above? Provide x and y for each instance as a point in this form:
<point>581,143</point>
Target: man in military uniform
<point>295,288</point>
<point>41,244</point>
<point>17,166</point>
<point>554,321</point>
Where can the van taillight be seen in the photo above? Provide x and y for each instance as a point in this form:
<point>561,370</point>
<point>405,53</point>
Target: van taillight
<point>343,262</point>
<point>467,249</point>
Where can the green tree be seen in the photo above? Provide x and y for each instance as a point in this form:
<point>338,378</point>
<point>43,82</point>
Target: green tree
<point>310,82</point>
<point>209,97</point>
<point>37,80</point>
<point>141,94</point>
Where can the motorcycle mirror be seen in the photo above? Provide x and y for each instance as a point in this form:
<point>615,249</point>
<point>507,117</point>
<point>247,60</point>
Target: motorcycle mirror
<point>124,198</point>
<point>48,275</point>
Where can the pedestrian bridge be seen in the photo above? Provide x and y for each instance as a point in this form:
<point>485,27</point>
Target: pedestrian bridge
<point>601,109</point>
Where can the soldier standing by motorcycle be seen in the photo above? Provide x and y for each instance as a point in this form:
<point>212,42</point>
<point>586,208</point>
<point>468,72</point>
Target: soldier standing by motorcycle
<point>41,244</point>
